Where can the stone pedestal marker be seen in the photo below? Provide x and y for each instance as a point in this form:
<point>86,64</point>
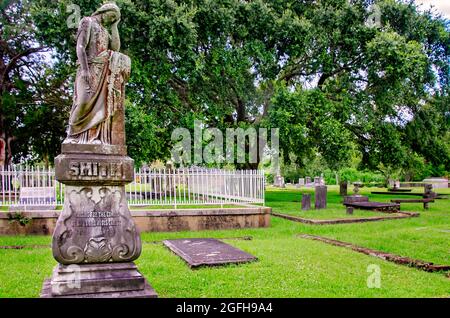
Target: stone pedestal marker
<point>306,202</point>
<point>95,240</point>
<point>321,197</point>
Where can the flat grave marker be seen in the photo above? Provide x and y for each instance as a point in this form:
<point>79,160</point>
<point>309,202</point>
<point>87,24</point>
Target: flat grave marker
<point>207,252</point>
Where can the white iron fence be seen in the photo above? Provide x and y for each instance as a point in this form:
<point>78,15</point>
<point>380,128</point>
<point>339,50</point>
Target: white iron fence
<point>30,186</point>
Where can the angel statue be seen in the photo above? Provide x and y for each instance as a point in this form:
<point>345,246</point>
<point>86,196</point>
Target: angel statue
<point>97,111</point>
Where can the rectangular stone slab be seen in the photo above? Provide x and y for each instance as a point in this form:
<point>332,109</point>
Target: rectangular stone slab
<point>207,252</point>
<point>108,280</point>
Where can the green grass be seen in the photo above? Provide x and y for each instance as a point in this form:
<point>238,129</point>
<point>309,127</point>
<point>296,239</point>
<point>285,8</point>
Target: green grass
<point>287,267</point>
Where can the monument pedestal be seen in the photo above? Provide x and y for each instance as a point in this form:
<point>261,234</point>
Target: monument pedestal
<point>95,240</point>
<point>110,280</point>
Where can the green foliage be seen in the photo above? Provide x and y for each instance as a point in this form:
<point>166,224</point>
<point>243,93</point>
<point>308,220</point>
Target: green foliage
<point>353,175</point>
<point>19,218</point>
<point>316,70</point>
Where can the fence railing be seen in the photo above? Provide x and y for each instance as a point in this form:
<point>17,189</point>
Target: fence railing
<point>34,186</point>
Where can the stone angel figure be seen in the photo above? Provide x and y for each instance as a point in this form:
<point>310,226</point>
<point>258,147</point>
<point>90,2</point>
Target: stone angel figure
<point>97,111</point>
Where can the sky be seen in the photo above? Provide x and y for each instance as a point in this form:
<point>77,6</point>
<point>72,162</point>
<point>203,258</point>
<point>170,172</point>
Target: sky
<point>441,6</point>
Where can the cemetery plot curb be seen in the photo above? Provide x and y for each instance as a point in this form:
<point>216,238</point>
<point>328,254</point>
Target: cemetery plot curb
<point>197,252</point>
<point>419,264</point>
<point>393,216</point>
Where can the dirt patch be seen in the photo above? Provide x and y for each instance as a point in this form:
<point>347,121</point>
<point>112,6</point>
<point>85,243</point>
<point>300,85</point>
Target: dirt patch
<point>423,265</point>
<point>391,216</point>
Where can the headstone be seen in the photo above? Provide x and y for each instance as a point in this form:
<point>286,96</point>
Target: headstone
<point>343,188</point>
<point>207,252</point>
<point>317,181</point>
<point>321,197</point>
<point>301,182</point>
<point>428,191</point>
<point>306,202</point>
<point>307,180</point>
<point>96,239</point>
<point>349,210</point>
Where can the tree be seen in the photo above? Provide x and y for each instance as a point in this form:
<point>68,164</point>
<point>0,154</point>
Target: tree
<point>19,65</point>
<point>316,70</point>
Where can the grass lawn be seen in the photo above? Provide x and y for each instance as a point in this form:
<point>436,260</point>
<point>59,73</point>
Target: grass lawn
<point>288,266</point>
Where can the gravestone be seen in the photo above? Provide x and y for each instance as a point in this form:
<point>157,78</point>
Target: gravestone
<point>428,194</point>
<point>317,181</point>
<point>343,188</point>
<point>307,180</point>
<point>198,252</point>
<point>349,210</point>
<point>301,182</point>
<point>321,197</point>
<point>95,238</point>
<point>306,202</point>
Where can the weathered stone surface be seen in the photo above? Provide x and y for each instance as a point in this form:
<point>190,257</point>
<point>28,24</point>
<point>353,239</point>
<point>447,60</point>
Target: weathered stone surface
<point>317,181</point>
<point>375,206</point>
<point>94,169</point>
<point>343,185</point>
<point>349,210</point>
<point>200,252</point>
<point>355,198</point>
<point>95,226</point>
<point>147,292</point>
<point>165,220</point>
<point>97,280</point>
<point>88,149</point>
<point>306,202</point>
<point>321,197</point>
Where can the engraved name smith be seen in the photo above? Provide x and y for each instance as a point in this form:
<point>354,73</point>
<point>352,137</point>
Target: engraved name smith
<point>95,169</point>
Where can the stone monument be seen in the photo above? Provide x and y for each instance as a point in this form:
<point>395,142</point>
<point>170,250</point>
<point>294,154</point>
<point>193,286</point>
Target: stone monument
<point>356,197</point>
<point>306,202</point>
<point>343,188</point>
<point>96,240</point>
<point>320,201</point>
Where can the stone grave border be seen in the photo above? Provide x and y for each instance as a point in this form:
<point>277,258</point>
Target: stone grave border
<point>157,220</point>
<point>401,260</point>
<point>392,216</point>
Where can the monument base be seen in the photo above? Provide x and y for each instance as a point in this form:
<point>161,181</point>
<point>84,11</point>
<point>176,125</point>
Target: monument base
<point>109,280</point>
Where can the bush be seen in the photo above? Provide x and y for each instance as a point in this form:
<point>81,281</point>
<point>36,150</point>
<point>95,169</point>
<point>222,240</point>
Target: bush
<point>353,175</point>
